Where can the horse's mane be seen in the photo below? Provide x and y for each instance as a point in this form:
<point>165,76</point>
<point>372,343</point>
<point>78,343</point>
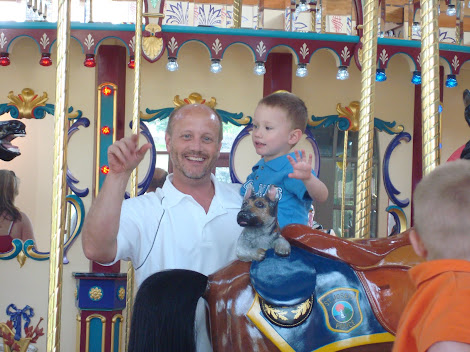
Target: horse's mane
<point>164,312</point>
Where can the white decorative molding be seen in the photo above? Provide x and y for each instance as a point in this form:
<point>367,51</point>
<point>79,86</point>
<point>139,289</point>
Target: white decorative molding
<point>172,45</point>
<point>261,48</point>
<point>89,41</point>
<point>455,63</point>
<point>345,54</point>
<point>304,51</point>
<point>216,46</point>
<point>3,40</point>
<point>383,56</point>
<point>132,43</point>
<point>44,41</point>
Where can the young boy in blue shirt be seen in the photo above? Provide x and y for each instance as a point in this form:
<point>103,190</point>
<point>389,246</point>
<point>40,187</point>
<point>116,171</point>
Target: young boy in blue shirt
<point>278,124</point>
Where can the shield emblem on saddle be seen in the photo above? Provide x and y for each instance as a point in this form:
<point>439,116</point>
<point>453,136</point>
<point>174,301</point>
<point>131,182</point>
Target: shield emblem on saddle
<point>341,309</point>
<point>306,302</point>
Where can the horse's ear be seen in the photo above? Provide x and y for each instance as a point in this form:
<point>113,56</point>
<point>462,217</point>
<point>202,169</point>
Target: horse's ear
<point>466,97</point>
<point>272,193</point>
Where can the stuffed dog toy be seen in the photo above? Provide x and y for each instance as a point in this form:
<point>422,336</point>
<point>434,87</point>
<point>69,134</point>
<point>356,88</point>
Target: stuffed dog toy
<point>258,216</point>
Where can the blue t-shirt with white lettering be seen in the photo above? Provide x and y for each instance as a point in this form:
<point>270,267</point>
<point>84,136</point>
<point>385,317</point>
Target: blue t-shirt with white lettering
<point>294,200</point>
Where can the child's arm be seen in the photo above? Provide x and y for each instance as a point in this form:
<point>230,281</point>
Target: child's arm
<point>303,171</point>
<point>449,346</point>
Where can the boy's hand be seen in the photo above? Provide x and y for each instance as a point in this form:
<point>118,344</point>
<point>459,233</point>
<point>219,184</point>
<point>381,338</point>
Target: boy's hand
<point>302,167</point>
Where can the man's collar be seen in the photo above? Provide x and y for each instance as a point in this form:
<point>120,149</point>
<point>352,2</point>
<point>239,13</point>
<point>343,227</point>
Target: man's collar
<point>173,196</point>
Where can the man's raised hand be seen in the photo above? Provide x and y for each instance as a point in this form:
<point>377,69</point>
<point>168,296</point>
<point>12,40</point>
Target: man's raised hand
<point>124,155</point>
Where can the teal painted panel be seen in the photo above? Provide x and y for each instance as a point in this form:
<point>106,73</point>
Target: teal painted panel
<point>117,325</point>
<point>107,113</point>
<point>96,335</point>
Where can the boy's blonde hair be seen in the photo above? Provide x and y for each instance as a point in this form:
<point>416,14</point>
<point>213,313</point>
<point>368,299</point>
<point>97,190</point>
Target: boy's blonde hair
<point>291,104</point>
<point>441,207</point>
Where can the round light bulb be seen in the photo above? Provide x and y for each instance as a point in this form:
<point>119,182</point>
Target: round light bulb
<point>451,11</point>
<point>301,70</point>
<point>343,73</point>
<point>172,65</point>
<point>259,69</point>
<point>216,66</point>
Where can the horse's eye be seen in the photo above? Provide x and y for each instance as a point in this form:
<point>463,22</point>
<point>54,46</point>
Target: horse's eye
<point>260,204</point>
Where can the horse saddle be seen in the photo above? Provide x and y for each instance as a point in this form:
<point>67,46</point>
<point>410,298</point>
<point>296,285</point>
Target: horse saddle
<point>330,293</point>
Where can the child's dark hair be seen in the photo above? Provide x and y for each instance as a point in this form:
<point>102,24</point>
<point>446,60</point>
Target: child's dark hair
<point>291,104</point>
<point>166,303</point>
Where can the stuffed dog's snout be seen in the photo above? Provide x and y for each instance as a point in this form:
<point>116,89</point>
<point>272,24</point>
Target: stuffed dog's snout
<point>246,218</point>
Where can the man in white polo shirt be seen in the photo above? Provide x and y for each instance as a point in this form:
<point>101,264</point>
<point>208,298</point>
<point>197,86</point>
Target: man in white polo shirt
<point>188,224</point>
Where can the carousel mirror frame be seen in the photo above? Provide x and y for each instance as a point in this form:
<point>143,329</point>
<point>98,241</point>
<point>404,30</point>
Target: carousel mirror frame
<point>29,105</point>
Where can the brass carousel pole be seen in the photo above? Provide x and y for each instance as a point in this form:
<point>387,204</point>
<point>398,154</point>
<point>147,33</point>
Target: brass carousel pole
<point>59,183</point>
<point>237,14</point>
<point>343,179</point>
<point>430,84</point>
<point>366,120</point>
<point>134,176</point>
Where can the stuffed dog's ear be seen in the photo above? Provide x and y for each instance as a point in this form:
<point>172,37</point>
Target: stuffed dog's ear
<point>249,191</point>
<point>272,193</point>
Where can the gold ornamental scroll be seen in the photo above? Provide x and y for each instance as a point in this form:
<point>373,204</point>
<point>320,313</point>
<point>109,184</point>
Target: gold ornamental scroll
<point>430,84</point>
<point>366,120</point>
<point>134,175</point>
<point>59,182</point>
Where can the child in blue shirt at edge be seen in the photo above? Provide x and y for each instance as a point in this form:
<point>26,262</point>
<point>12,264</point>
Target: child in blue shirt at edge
<point>278,124</point>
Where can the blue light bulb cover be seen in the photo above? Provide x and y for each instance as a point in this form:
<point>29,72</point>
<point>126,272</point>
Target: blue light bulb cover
<point>380,75</point>
<point>451,81</point>
<point>416,79</point>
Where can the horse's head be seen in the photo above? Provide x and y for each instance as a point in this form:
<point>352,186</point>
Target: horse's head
<point>9,130</point>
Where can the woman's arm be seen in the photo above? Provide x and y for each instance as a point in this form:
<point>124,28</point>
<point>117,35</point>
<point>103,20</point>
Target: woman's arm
<point>27,231</point>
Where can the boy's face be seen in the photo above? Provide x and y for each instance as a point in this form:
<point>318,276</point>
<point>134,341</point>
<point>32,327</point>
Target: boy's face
<point>272,132</point>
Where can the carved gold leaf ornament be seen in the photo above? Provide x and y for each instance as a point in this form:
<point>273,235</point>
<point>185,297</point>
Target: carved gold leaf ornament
<point>121,293</point>
<point>26,102</point>
<point>350,112</point>
<point>194,98</point>
<point>21,258</point>
<point>95,293</point>
<point>152,46</point>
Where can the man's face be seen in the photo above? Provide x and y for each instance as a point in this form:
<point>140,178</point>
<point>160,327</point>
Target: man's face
<point>194,144</point>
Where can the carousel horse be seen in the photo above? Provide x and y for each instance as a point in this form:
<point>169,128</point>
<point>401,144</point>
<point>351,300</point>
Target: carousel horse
<point>9,130</point>
<point>329,294</point>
